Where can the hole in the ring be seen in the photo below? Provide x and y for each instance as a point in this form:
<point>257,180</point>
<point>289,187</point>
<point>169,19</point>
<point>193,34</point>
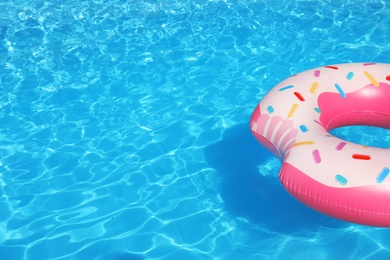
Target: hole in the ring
<point>364,135</point>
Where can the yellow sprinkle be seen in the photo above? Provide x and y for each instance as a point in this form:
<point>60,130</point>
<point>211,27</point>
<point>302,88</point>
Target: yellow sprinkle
<point>292,110</point>
<point>303,143</point>
<point>313,87</point>
<point>371,78</point>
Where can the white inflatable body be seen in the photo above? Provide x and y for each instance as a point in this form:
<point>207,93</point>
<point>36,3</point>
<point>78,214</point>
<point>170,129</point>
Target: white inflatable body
<point>339,178</point>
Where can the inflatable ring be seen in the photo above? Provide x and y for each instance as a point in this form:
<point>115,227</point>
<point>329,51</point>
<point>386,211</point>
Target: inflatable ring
<point>341,179</point>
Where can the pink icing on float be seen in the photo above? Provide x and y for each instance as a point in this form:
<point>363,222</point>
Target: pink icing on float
<point>338,178</point>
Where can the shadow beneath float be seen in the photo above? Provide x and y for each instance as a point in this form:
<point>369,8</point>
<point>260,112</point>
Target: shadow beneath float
<point>261,199</point>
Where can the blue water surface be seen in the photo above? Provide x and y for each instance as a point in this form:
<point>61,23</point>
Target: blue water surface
<point>124,127</point>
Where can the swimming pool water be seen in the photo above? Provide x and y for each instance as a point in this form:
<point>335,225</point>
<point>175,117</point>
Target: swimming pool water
<point>124,127</point>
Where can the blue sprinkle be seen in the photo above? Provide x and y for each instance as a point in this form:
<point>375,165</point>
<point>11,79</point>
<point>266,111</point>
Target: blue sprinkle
<point>341,179</point>
<point>382,175</point>
<point>270,109</point>
<point>286,87</point>
<point>318,110</point>
<point>340,90</point>
<point>303,128</point>
<point>350,75</point>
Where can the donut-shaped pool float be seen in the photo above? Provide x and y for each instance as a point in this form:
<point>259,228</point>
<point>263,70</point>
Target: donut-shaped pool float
<point>341,179</point>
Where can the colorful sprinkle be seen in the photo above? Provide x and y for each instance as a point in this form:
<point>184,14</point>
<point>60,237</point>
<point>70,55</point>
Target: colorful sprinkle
<point>316,73</point>
<point>340,90</point>
<point>388,77</point>
<point>313,87</point>
<point>303,128</point>
<point>299,96</point>
<point>358,156</point>
<point>270,109</point>
<point>317,109</point>
<point>316,156</point>
<point>286,87</point>
<point>292,110</point>
<point>332,67</point>
<point>382,175</point>
<point>350,75</point>
<point>371,78</point>
<point>341,179</point>
<point>340,146</point>
<point>303,143</point>
<point>369,63</point>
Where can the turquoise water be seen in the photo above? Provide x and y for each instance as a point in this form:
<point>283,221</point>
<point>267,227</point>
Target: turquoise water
<point>124,127</point>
